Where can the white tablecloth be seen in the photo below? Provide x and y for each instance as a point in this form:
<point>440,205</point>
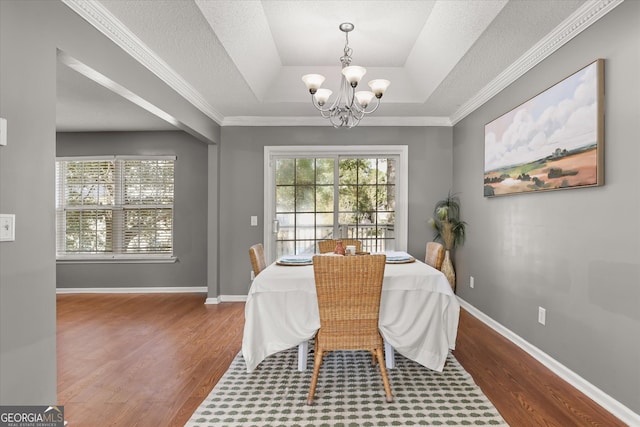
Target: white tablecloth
<point>418,312</point>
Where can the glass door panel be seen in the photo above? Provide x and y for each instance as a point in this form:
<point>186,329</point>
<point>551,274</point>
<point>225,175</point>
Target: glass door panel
<point>304,204</point>
<point>331,198</point>
<point>367,201</point>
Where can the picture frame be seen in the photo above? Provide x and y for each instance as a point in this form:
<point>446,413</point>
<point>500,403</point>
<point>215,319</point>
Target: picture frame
<point>552,141</point>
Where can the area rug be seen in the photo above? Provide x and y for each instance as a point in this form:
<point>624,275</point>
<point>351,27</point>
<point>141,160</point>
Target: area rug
<point>349,393</point>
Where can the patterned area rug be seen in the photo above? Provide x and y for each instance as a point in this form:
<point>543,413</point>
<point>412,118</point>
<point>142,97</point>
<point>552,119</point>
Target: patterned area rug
<point>349,393</point>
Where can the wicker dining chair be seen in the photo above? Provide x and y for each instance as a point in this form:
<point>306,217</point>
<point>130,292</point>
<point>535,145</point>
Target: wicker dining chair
<point>349,291</point>
<point>435,255</point>
<point>258,263</point>
<point>326,246</point>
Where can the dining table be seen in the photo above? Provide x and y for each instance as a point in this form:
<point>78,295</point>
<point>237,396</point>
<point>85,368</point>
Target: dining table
<point>419,312</point>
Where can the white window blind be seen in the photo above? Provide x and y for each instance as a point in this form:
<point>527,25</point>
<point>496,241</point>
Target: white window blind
<point>114,207</point>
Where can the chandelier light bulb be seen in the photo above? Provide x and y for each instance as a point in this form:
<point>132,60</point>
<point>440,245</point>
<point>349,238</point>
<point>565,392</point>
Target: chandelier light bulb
<point>378,86</point>
<point>364,97</point>
<point>313,82</point>
<point>322,96</point>
<point>354,74</point>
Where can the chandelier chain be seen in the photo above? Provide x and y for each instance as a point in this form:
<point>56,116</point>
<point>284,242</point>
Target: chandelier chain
<point>346,59</point>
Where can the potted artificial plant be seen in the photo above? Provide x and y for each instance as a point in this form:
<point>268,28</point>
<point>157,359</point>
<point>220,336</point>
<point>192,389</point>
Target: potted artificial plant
<point>449,230</point>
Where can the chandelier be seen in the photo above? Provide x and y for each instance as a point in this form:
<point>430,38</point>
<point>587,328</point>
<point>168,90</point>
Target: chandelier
<point>350,106</point>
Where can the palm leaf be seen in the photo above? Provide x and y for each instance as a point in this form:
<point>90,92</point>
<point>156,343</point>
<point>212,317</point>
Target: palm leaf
<point>446,222</point>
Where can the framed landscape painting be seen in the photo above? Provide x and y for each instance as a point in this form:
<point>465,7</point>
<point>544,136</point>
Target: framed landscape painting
<point>552,141</point>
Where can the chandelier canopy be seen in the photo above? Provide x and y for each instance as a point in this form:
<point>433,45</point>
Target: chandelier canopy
<point>350,106</point>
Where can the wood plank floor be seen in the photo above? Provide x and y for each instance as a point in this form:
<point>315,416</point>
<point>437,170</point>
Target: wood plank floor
<point>524,391</point>
<point>149,360</point>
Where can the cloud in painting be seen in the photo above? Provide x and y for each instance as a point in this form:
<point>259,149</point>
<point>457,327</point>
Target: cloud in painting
<point>564,116</point>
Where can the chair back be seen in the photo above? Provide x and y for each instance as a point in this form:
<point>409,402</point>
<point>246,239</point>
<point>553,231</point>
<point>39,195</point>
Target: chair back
<point>435,255</point>
<point>349,290</point>
<point>327,246</point>
<point>258,263</point>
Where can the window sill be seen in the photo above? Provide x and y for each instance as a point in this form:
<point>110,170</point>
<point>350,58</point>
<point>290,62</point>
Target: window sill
<point>115,259</point>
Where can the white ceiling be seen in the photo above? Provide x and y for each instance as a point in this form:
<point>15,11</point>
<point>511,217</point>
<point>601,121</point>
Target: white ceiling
<point>240,61</point>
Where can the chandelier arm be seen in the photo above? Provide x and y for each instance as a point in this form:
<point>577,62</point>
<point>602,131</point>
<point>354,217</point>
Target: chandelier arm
<point>326,114</point>
<point>357,107</point>
<point>319,108</point>
<point>336,102</point>
<point>336,118</point>
<point>349,111</point>
<point>374,108</point>
<point>352,102</point>
<point>355,123</point>
<point>322,110</point>
<point>345,91</point>
<point>356,113</point>
<point>352,121</point>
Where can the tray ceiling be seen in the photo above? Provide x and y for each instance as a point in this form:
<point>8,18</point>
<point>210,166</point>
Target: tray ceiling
<point>240,62</point>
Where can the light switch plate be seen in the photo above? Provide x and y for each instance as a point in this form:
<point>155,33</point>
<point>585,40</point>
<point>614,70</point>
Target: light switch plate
<point>7,227</point>
<point>3,131</point>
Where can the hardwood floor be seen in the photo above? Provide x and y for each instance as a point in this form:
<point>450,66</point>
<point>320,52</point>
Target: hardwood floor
<point>150,359</point>
<point>525,392</point>
<point>141,360</point>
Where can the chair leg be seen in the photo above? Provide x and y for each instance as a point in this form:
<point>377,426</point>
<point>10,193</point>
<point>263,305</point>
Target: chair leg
<point>317,361</point>
<point>383,372</point>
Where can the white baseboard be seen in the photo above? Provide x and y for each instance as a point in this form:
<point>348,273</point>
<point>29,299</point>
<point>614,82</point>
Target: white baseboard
<point>226,298</point>
<point>142,290</point>
<point>155,290</point>
<point>610,404</point>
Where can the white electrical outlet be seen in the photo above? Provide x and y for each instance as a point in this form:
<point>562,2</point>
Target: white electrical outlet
<point>253,276</point>
<point>254,221</point>
<point>471,282</point>
<point>542,315</point>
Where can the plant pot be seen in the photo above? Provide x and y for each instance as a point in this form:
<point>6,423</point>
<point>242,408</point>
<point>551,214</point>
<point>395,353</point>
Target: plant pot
<point>448,270</point>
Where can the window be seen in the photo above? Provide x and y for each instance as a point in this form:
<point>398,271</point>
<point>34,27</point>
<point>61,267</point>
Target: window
<point>314,193</point>
<point>306,209</point>
<point>114,207</point>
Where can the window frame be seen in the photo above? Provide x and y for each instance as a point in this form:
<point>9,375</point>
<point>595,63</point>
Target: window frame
<point>113,257</point>
<point>337,151</point>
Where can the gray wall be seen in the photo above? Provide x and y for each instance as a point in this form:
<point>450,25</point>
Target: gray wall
<point>561,250</point>
<point>574,252</point>
<point>242,171</point>
<point>30,33</point>
<point>190,211</point>
<point>27,266</point>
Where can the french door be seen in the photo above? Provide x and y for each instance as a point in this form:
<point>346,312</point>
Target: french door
<point>317,193</point>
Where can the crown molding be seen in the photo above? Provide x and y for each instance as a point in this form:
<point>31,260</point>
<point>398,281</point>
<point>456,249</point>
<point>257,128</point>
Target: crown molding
<point>319,121</point>
<point>98,16</point>
<point>579,21</point>
<point>104,21</point>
